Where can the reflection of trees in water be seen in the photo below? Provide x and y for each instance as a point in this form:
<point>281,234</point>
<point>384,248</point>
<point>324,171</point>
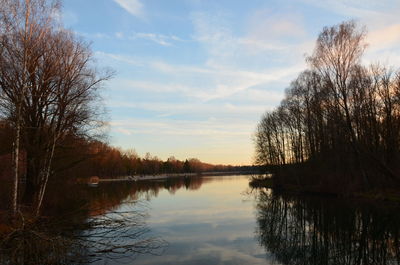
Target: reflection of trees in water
<point>121,233</point>
<point>84,224</point>
<point>300,230</point>
<point>65,240</point>
<point>152,188</point>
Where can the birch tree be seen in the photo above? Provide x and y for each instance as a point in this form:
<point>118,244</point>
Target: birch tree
<point>23,27</point>
<point>49,87</point>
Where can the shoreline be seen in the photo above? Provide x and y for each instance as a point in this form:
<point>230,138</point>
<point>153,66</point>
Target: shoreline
<point>392,196</point>
<point>173,175</point>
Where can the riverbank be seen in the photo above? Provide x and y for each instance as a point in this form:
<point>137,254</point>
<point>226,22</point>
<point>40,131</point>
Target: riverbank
<point>174,175</point>
<point>390,195</point>
<point>261,183</point>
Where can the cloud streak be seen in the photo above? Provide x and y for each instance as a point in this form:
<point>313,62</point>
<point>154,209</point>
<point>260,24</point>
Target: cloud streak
<point>134,7</point>
<point>211,128</point>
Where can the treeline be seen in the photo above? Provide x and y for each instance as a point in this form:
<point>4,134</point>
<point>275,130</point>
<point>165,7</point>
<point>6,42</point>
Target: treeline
<point>338,127</point>
<point>97,158</point>
<point>104,160</point>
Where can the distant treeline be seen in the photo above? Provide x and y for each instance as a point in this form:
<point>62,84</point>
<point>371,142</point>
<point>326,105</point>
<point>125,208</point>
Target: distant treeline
<point>104,160</point>
<point>338,127</point>
<point>76,158</point>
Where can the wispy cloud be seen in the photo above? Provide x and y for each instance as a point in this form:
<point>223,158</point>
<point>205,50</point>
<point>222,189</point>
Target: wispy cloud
<point>164,40</point>
<point>276,27</point>
<point>386,37</point>
<point>384,45</point>
<point>161,39</point>
<point>382,22</point>
<point>262,94</point>
<point>97,35</point>
<point>353,8</point>
<point>276,37</point>
<point>382,25</point>
<point>210,128</point>
<point>123,131</point>
<point>228,81</point>
<point>196,109</point>
<point>219,82</point>
<point>120,58</point>
<point>134,7</point>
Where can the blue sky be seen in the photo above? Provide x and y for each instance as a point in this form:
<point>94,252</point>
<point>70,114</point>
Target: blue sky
<point>193,77</point>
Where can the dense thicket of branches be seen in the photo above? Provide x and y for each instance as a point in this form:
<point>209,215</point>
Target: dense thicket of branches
<point>339,123</point>
<point>48,87</point>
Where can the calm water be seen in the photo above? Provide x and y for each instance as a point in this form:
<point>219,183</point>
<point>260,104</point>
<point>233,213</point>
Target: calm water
<point>219,220</point>
<point>209,224</point>
<point>216,220</point>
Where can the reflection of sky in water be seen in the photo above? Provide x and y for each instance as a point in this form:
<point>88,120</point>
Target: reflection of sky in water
<point>212,225</point>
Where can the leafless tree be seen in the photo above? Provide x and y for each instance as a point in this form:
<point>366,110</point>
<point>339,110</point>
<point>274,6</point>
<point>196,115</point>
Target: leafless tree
<point>23,28</point>
<point>48,86</point>
<point>338,115</point>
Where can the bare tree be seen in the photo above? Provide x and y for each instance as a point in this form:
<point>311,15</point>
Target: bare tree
<point>338,116</point>
<point>49,86</point>
<point>337,53</point>
<point>24,26</point>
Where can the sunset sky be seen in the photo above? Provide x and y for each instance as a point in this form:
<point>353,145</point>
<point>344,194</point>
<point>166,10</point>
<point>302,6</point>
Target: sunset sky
<point>193,77</point>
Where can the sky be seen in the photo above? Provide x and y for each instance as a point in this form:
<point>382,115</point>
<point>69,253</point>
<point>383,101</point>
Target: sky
<point>193,77</point>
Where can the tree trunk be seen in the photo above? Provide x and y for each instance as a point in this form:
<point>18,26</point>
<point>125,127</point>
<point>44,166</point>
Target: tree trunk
<point>31,178</point>
<point>14,203</point>
<point>44,178</point>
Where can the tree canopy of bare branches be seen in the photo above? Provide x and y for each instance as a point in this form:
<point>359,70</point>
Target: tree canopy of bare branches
<point>48,87</point>
<point>339,119</point>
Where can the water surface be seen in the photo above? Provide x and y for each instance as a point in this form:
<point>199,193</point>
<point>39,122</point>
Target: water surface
<point>219,220</point>
<point>209,224</point>
<point>209,220</point>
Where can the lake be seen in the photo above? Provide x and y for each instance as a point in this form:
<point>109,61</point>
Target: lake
<point>218,220</point>
<point>212,222</point>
